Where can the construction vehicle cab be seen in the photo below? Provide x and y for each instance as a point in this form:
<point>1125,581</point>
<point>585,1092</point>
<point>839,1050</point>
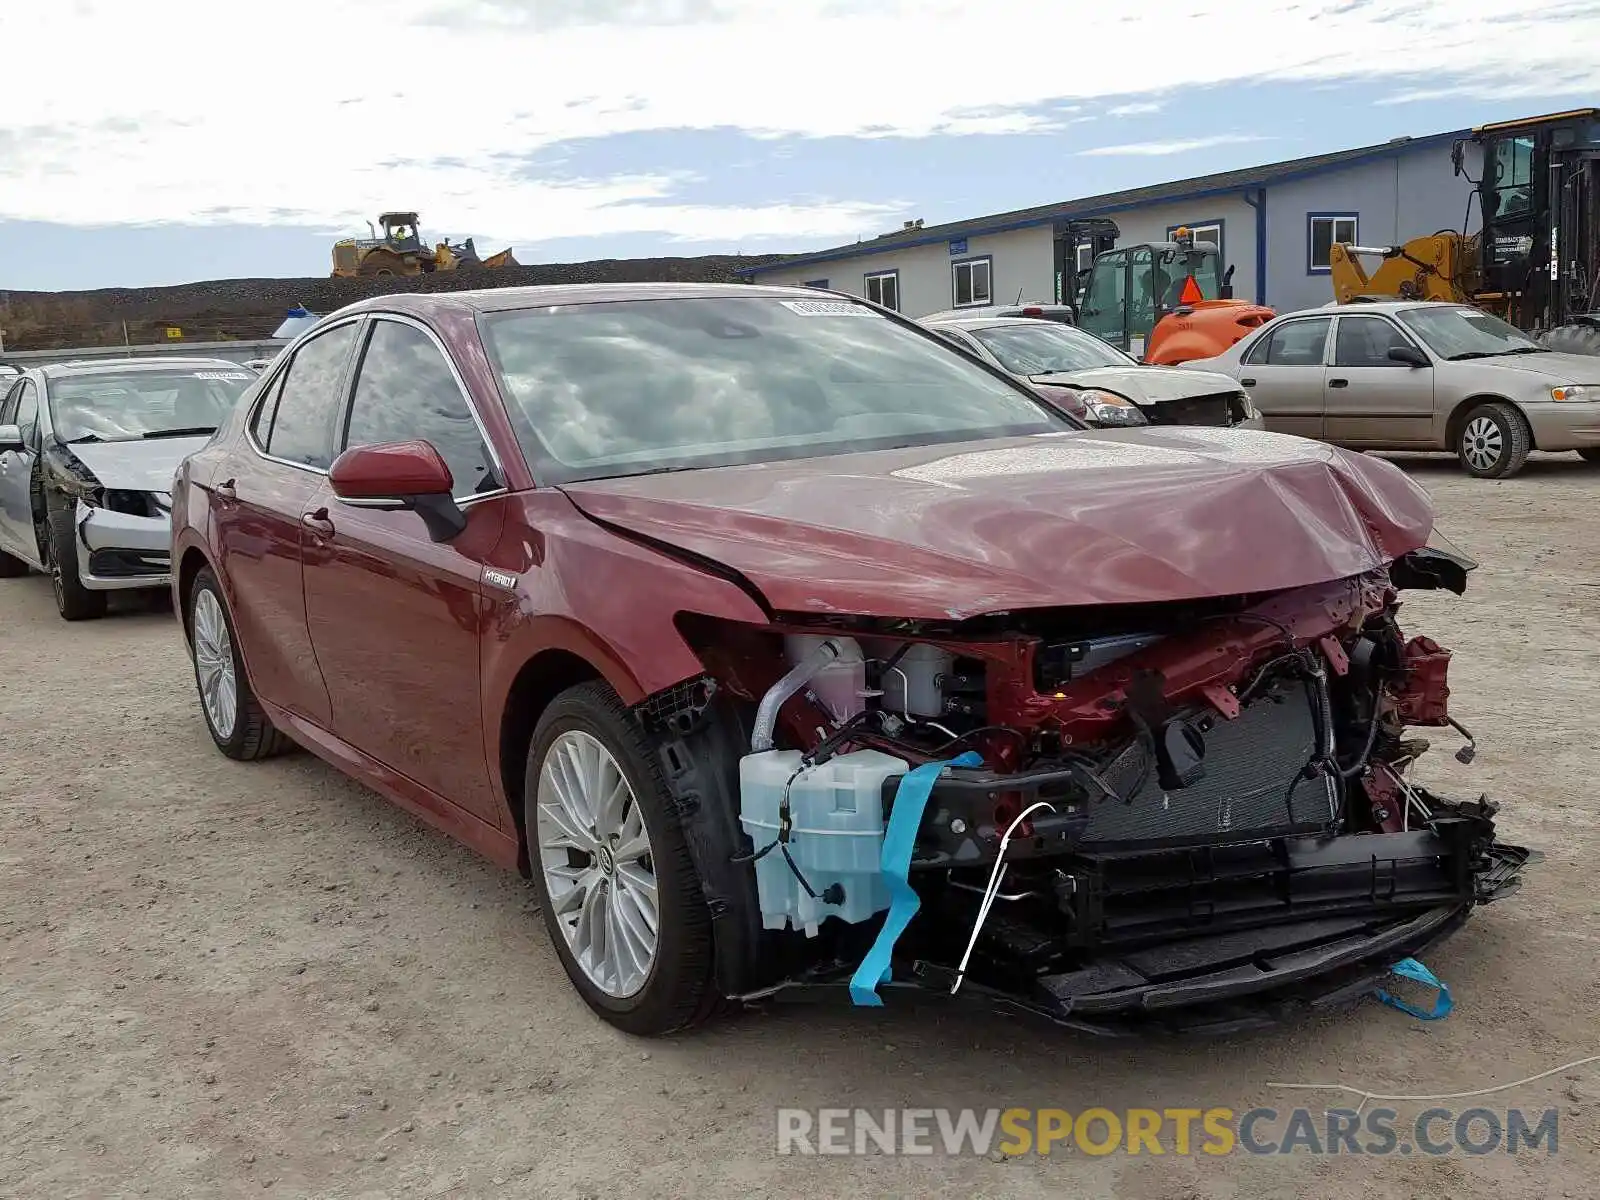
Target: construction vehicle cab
<point>1165,302</point>
<point>1537,258</point>
<point>401,234</point>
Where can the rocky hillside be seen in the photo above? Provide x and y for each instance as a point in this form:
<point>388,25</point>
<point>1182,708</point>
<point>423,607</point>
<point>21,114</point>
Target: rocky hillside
<point>247,309</point>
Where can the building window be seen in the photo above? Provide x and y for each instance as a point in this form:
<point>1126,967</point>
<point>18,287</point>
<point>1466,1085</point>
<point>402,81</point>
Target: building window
<point>1085,257</point>
<point>972,282</point>
<point>816,283</point>
<point>1204,231</point>
<point>883,287</point>
<point>1322,231</point>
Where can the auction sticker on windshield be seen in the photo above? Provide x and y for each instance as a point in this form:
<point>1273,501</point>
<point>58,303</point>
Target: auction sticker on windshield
<point>828,308</point>
<point>221,375</point>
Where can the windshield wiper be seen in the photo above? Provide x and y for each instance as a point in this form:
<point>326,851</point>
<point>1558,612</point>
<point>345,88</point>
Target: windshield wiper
<point>191,431</point>
<point>1462,357</point>
<point>81,439</point>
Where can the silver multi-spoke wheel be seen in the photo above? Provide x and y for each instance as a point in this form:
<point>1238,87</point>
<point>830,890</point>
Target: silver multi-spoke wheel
<point>213,664</point>
<point>595,856</point>
<point>1482,444</point>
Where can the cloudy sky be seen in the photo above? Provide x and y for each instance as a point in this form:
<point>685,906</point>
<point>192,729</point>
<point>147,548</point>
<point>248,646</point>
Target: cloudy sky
<point>178,142</point>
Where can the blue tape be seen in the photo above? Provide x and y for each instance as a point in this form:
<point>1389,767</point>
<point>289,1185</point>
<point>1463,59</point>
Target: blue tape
<point>899,839</point>
<point>1410,968</point>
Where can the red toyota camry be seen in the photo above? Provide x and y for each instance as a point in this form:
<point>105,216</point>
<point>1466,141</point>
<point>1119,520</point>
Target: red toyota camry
<point>794,653</point>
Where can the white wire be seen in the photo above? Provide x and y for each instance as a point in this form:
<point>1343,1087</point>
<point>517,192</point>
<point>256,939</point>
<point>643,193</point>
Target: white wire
<point>996,878</point>
<point>1488,1091</point>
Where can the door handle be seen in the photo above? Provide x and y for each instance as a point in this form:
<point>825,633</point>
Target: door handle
<point>318,522</point>
<point>1247,383</point>
<point>1338,383</point>
<point>224,490</point>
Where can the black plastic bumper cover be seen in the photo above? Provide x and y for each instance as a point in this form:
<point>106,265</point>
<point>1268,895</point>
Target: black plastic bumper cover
<point>1241,978</point>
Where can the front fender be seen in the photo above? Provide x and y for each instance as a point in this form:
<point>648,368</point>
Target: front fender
<point>587,592</point>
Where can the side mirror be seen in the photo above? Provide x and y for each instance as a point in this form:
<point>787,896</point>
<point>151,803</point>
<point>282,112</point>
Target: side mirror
<point>10,438</point>
<point>394,475</point>
<point>1409,355</point>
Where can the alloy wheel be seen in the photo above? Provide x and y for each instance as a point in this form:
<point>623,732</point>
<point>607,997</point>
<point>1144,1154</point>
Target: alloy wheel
<point>1482,444</point>
<point>599,872</point>
<point>213,664</point>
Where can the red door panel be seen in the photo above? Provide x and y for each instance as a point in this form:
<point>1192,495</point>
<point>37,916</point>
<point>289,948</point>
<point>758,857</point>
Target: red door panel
<point>396,620</point>
<point>258,537</point>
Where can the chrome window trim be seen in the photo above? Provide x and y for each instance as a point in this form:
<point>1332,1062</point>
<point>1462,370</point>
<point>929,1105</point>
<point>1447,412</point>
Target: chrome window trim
<point>272,380</point>
<point>461,388</point>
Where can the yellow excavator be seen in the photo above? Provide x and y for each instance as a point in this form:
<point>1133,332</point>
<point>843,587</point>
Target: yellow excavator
<point>401,251</point>
<point>1537,262</point>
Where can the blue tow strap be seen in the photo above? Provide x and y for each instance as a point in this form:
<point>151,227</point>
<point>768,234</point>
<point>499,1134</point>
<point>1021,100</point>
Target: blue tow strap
<point>899,840</point>
<point>1410,968</point>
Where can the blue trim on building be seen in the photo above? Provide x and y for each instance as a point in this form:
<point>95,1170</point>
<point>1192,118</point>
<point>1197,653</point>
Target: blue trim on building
<point>1312,218</point>
<point>934,237</point>
<point>975,302</point>
<point>1259,203</point>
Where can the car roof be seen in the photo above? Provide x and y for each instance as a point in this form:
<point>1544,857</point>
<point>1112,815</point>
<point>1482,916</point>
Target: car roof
<point>1378,306</point>
<point>485,300</point>
<point>989,322</point>
<point>122,366</point>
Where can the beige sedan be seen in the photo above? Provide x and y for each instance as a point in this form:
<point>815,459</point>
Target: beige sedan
<point>1407,375</point>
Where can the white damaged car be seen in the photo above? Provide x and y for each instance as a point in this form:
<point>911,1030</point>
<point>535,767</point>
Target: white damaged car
<point>87,455</point>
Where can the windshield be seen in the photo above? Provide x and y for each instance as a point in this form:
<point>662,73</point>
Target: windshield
<point>1459,333</point>
<point>622,388</point>
<point>1040,348</point>
<point>125,406</point>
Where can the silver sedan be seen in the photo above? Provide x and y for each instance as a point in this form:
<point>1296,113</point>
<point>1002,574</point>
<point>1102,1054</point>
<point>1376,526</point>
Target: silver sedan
<point>1400,375</point>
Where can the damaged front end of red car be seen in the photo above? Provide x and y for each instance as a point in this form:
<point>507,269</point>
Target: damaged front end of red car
<point>1196,813</point>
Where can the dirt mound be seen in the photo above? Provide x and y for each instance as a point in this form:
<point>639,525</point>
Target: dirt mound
<point>248,309</point>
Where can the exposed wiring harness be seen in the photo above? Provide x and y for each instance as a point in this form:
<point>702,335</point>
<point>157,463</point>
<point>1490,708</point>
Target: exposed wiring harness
<point>997,876</point>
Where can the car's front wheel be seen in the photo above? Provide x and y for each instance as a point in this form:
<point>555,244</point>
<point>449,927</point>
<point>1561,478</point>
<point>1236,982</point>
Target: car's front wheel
<point>73,601</point>
<point>618,890</point>
<point>1494,441</point>
<point>233,715</point>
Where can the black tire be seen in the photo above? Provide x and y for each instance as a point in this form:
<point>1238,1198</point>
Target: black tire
<point>253,735</point>
<point>679,990</point>
<point>1579,338</point>
<point>1493,441</point>
<point>73,601</point>
<point>1590,454</point>
<point>11,568</point>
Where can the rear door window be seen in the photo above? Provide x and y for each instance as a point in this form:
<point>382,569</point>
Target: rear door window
<point>302,429</point>
<point>407,390</point>
<point>1294,344</point>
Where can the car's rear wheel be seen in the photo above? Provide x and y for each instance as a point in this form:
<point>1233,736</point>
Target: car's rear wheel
<point>618,890</point>
<point>73,601</point>
<point>233,715</point>
<point>1494,441</point>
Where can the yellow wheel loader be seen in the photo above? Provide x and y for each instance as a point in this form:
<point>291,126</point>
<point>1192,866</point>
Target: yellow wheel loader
<point>401,251</point>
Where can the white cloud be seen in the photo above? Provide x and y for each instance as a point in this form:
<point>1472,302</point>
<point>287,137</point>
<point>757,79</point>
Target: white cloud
<point>327,111</point>
<point>1176,146</point>
<point>1137,109</point>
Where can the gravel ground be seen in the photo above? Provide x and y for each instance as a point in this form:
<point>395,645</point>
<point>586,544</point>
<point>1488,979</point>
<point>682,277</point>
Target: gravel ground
<point>218,979</point>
